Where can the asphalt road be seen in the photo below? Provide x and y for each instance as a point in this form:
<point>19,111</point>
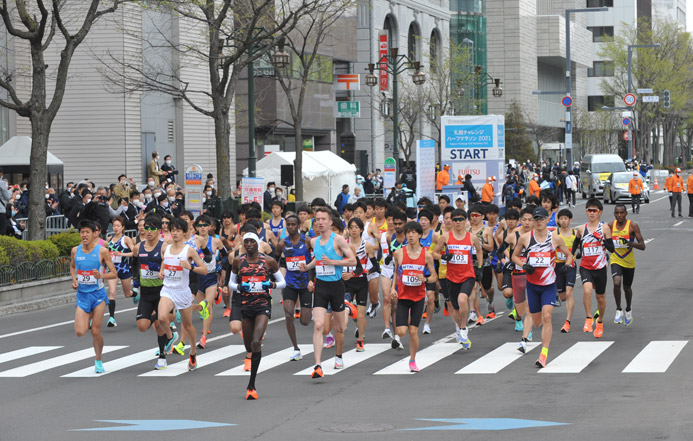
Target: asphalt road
<point>43,396</point>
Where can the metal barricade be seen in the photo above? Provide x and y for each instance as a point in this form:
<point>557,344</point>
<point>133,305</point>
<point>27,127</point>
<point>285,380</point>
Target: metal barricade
<point>29,271</point>
<point>55,225</point>
<point>129,233</point>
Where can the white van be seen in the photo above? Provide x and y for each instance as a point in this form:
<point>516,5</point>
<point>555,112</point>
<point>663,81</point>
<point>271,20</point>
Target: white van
<point>595,169</point>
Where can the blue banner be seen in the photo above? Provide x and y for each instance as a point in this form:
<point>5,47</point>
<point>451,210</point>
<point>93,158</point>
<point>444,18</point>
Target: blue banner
<point>469,136</point>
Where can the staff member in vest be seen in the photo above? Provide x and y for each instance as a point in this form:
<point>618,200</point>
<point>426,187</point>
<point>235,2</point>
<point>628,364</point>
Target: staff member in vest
<point>86,268</point>
<point>332,252</point>
<point>676,188</point>
<point>635,188</point>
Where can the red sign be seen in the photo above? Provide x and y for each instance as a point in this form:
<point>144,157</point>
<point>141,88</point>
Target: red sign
<point>347,82</point>
<point>629,99</point>
<point>382,52</point>
<point>626,136</point>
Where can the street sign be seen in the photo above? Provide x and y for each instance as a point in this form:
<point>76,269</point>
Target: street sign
<point>567,101</point>
<point>650,99</point>
<point>626,114</point>
<point>626,136</point>
<point>383,52</point>
<point>630,99</point>
<point>626,121</point>
<point>193,188</point>
<point>389,174</point>
<point>642,91</point>
<point>347,82</point>
<point>347,109</point>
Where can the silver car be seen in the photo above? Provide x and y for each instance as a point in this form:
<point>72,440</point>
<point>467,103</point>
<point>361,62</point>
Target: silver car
<point>616,188</point>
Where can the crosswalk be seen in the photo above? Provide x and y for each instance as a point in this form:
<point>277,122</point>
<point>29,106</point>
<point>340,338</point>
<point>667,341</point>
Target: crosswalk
<point>655,357</point>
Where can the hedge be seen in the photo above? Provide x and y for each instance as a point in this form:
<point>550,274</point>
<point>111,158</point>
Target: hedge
<point>14,251</point>
<point>65,241</point>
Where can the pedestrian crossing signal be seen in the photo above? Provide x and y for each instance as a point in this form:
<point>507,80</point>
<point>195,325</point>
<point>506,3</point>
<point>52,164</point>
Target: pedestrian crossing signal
<point>666,99</point>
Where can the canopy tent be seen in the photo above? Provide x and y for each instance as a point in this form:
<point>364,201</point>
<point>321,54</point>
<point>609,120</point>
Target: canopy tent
<point>324,173</point>
<point>15,160</point>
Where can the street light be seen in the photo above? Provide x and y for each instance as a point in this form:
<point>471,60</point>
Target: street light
<point>630,85</point>
<point>395,64</point>
<point>280,58</point>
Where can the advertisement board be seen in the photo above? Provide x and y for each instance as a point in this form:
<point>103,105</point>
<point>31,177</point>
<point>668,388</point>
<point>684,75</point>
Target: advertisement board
<point>193,189</point>
<point>252,189</point>
<point>426,168</point>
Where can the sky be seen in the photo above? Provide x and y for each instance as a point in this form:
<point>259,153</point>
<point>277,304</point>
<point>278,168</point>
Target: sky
<point>689,15</point>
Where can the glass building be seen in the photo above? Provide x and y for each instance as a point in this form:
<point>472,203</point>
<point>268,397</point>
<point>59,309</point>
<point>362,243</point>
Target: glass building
<point>468,31</point>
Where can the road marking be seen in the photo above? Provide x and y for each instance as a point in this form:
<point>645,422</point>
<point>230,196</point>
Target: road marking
<point>678,223</point>
<point>648,240</point>
<point>204,359</point>
<point>485,424</point>
<point>656,200</point>
<point>657,356</point>
<point>351,358</point>
<point>425,358</point>
<point>269,361</point>
<point>44,365</point>
<point>576,358</point>
<point>153,425</point>
<point>26,352</point>
<point>115,365</point>
<point>494,361</point>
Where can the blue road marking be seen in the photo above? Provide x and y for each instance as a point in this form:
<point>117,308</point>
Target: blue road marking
<point>485,424</point>
<point>154,425</point>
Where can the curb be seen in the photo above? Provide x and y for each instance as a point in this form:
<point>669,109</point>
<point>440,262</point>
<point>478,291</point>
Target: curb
<point>34,305</point>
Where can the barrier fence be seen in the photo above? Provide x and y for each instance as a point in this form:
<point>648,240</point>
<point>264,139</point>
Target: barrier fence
<point>29,271</point>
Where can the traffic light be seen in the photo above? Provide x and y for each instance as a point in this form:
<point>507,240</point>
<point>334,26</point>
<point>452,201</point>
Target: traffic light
<point>666,98</point>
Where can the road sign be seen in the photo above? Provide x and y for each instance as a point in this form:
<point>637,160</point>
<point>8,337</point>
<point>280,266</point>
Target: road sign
<point>389,174</point>
<point>567,101</point>
<point>650,99</point>
<point>626,114</point>
<point>347,82</point>
<point>626,136</point>
<point>193,188</point>
<point>630,99</point>
<point>347,109</point>
<point>626,121</point>
<point>642,91</point>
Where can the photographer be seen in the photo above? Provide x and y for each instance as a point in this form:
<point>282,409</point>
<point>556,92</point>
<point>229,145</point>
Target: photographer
<point>169,168</point>
<point>123,189</point>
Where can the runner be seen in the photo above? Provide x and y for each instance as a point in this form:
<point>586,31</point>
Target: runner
<point>374,226</point>
<point>565,279</point>
<point>330,256</point>
<point>276,227</point>
<point>476,227</point>
<point>512,219</point>
<point>409,264</point>
<point>251,275</point>
<point>207,247</point>
<point>298,287</point>
<point>461,273</point>
<point>227,236</point>
<point>626,237</point>
<point>120,248</point>
<point>491,266</point>
<point>539,249</point>
<point>86,267</point>
<point>549,201</point>
<point>176,290</point>
<point>389,243</point>
<point>595,240</point>
<point>443,268</point>
<point>429,237</point>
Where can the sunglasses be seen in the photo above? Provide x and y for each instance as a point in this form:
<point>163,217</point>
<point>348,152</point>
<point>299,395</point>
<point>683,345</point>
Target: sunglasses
<point>474,215</point>
<point>593,210</point>
<point>539,218</point>
<point>202,225</point>
<point>150,228</point>
<point>459,219</point>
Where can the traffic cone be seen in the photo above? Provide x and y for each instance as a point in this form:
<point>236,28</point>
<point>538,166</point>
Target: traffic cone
<point>656,186</point>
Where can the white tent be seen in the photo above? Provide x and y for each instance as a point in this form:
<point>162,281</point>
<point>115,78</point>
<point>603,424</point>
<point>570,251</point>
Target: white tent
<point>17,150</point>
<point>324,173</point>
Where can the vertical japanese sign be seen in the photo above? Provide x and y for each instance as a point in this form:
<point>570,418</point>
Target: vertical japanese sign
<point>426,168</point>
<point>382,52</point>
<point>252,190</point>
<point>193,189</point>
<point>475,145</point>
<point>389,174</point>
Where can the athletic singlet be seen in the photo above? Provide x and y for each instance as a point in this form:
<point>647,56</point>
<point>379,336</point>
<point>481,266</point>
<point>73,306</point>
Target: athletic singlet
<point>254,273</point>
<point>86,264</point>
<point>541,256</point>
<point>276,228</point>
<point>175,276</point>
<point>121,263</point>
<point>327,273</point>
<point>361,256</point>
<point>569,240</point>
<point>480,236</point>
<point>409,286</point>
<point>389,247</point>
<point>593,250</point>
<point>623,253</point>
<point>367,237</point>
<point>551,224</point>
<point>460,267</point>
<point>311,232</point>
<point>211,266</point>
<point>150,264</point>
<point>294,255</point>
<point>516,271</point>
<point>494,259</point>
<point>383,228</point>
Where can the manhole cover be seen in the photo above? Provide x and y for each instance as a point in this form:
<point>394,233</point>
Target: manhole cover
<point>357,428</point>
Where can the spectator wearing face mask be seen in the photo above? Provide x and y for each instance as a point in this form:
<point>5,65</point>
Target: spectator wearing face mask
<point>5,196</point>
<point>176,205</point>
<point>153,203</point>
<point>279,196</point>
<point>267,197</point>
<point>78,206</point>
<point>154,171</point>
<point>169,168</point>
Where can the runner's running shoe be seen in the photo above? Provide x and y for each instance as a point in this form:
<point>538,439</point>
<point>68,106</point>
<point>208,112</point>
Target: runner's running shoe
<point>180,348</point>
<point>397,343</point>
<point>204,312</point>
<point>412,366</point>
<point>426,328</point>
<point>541,361</point>
<point>296,355</point>
<point>629,318</point>
<point>519,326</point>
<point>203,342</point>
<point>599,330</point>
<point>588,325</point>
<point>227,312</point>
<point>566,327</point>
<point>317,372</point>
<point>247,364</point>
<point>360,347</point>
<point>338,363</point>
<point>160,364</point>
<point>98,367</point>
<point>168,348</point>
<point>618,319</point>
<point>251,394</point>
<point>387,333</point>
<point>217,298</point>
<point>112,322</point>
<point>192,364</point>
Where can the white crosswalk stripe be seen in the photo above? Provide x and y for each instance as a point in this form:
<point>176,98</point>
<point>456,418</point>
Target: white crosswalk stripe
<point>494,361</point>
<point>576,358</point>
<point>115,365</point>
<point>203,359</point>
<point>657,356</point>
<point>25,352</point>
<point>424,358</point>
<point>62,360</point>
<point>351,359</point>
<point>269,361</point>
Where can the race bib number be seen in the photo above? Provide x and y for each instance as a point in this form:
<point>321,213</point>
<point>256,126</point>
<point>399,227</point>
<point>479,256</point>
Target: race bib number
<point>324,270</point>
<point>148,274</point>
<point>540,259</point>
<point>459,259</point>
<point>173,272</point>
<point>621,245</point>
<point>560,256</point>
<point>116,259</point>
<point>292,263</point>
<point>592,249</point>
<point>255,283</point>
<point>86,278</point>
<point>410,278</point>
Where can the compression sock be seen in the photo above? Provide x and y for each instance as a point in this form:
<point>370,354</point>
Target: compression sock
<point>254,365</point>
<point>162,339</point>
<point>111,307</point>
<point>545,351</point>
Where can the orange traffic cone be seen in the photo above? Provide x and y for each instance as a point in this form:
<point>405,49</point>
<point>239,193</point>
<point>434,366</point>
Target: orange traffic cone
<point>656,186</point>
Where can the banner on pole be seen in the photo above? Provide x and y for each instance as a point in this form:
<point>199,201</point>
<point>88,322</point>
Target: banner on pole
<point>426,168</point>
<point>193,189</point>
<point>252,190</point>
<point>389,174</point>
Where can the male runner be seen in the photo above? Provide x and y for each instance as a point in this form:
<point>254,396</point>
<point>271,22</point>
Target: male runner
<point>86,268</point>
<point>626,237</point>
<point>565,279</point>
<point>331,253</point>
<point>491,266</point>
<point>476,227</point>
<point>207,247</point>
<point>428,238</point>
<point>251,275</point>
<point>374,227</point>
<point>410,262</point>
<point>511,221</point>
<point>390,242</point>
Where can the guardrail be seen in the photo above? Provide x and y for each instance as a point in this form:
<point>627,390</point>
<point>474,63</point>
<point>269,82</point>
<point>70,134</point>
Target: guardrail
<point>29,271</point>
<point>54,225</point>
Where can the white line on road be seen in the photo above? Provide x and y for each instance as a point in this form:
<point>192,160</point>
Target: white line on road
<point>576,358</point>
<point>352,357</point>
<point>268,361</point>
<point>678,223</point>
<point>425,358</point>
<point>649,240</point>
<point>26,352</point>
<point>496,360</point>
<point>656,357</point>
<point>202,360</point>
<point>656,200</point>
<point>44,365</point>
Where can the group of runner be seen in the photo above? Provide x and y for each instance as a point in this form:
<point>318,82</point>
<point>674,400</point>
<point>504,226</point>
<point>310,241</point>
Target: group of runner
<point>331,268</point>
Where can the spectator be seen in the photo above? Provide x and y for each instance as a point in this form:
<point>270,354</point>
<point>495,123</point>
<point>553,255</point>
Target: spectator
<point>51,206</point>
<point>176,205</point>
<point>379,179</point>
<point>359,182</point>
<point>279,196</point>
<point>342,199</point>
<point>408,179</point>
<point>267,197</point>
<point>355,197</point>
<point>169,168</point>
<point>397,194</point>
<point>292,195</point>
<point>65,198</point>
<point>154,172</point>
<point>5,196</point>
<point>571,187</point>
<point>469,187</point>
<point>77,206</point>
<point>368,185</point>
<point>123,189</point>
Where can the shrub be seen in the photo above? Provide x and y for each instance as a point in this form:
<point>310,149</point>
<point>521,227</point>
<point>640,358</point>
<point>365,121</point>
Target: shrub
<point>65,242</point>
<point>14,251</point>
<point>266,216</point>
<point>48,250</point>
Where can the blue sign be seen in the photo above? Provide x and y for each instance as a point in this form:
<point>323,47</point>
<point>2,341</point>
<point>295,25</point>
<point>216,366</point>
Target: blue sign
<point>501,135</point>
<point>427,143</point>
<point>626,121</point>
<point>154,425</point>
<point>469,136</point>
<point>567,101</point>
<point>485,424</point>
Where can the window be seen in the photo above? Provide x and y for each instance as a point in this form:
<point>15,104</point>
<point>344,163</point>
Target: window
<point>434,55</point>
<point>600,3</point>
<point>601,69</point>
<point>413,42</point>
<point>596,102</point>
<point>601,34</point>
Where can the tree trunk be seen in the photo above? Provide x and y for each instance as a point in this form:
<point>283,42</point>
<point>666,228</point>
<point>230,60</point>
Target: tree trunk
<point>298,162</point>
<point>222,134</point>
<point>40,131</point>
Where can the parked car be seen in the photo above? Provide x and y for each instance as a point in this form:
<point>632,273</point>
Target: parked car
<point>616,188</point>
<point>595,169</point>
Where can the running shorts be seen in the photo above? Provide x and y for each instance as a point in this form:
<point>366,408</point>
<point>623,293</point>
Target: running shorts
<point>387,271</point>
<point>87,301</point>
<point>507,281</point>
<point>358,287</point>
<point>626,274</point>
<point>444,289</point>
<point>293,294</point>
<point>409,312</point>
<point>181,298</point>
<point>596,277</point>
<point>487,277</point>
<point>539,296</point>
<point>250,312</point>
<point>455,289</point>
<point>149,302</point>
<point>564,280</point>
<point>207,282</point>
<point>329,294</point>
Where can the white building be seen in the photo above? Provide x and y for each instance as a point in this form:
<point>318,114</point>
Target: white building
<point>669,10</point>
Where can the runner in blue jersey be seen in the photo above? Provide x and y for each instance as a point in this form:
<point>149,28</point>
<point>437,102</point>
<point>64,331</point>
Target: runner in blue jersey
<point>86,268</point>
<point>120,248</point>
<point>276,222</point>
<point>295,251</point>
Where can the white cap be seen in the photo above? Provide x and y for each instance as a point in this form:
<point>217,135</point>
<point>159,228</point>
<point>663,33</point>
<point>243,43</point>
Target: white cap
<point>252,236</point>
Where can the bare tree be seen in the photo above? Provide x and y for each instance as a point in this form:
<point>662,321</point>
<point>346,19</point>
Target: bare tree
<point>45,27</point>
<point>411,108</point>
